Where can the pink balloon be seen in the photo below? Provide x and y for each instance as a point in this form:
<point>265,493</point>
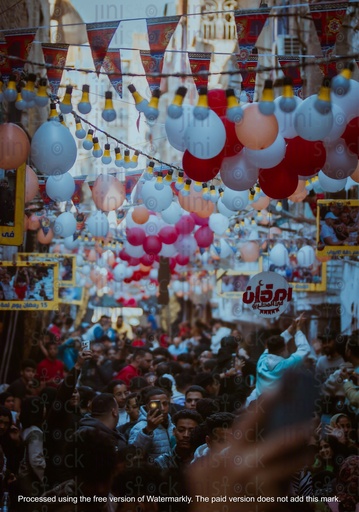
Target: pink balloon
<point>124,256</point>
<point>200,221</point>
<point>108,193</point>
<point>152,244</point>
<point>147,259</point>
<point>168,235</point>
<point>31,184</point>
<point>181,259</point>
<point>133,262</point>
<point>185,225</point>
<point>135,236</point>
<point>204,236</point>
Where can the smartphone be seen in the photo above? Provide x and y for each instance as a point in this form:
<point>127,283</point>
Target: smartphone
<point>234,357</point>
<point>155,405</point>
<point>85,344</point>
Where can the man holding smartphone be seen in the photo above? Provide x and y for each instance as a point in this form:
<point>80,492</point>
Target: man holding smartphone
<point>154,429</point>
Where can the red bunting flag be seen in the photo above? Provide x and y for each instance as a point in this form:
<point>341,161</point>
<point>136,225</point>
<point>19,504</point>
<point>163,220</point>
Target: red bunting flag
<point>55,58</point>
<point>100,36</point>
<point>291,68</point>
<point>328,20</point>
<point>112,65</point>
<point>249,25</point>
<point>160,31</point>
<point>5,63</point>
<point>130,182</point>
<point>248,71</point>
<point>152,63</point>
<point>200,63</point>
<point>19,43</point>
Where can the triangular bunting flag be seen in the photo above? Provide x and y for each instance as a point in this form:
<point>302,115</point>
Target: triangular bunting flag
<point>99,36</point>
<point>18,45</point>
<point>5,63</point>
<point>112,65</point>
<point>291,68</point>
<point>200,63</point>
<point>152,64</point>
<point>130,182</point>
<point>55,58</point>
<point>248,71</point>
<point>249,25</point>
<point>160,31</point>
<point>328,19</point>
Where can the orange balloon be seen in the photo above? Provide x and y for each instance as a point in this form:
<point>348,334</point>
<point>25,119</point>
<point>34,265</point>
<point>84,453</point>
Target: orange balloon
<point>92,255</point>
<point>140,215</point>
<point>31,184</point>
<point>355,175</point>
<point>108,193</point>
<point>14,146</point>
<point>300,192</point>
<point>255,130</point>
<point>33,222</point>
<point>261,203</point>
<point>194,202</point>
<point>45,239</point>
<point>249,252</point>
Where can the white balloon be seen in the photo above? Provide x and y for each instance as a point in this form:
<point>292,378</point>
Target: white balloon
<point>60,187</point>
<point>98,224</point>
<point>279,255</point>
<point>268,157</point>
<point>311,124</point>
<point>286,120</point>
<point>65,225</point>
<point>168,250</point>
<point>205,138</point>
<point>223,209</point>
<point>70,243</point>
<point>176,128</point>
<point>119,272</point>
<point>153,225</point>
<point>348,102</point>
<point>235,200</point>
<point>153,273</point>
<point>340,121</point>
<point>172,214</point>
<point>238,173</point>
<point>306,256</point>
<point>156,200</point>
<point>136,251</point>
<point>330,185</point>
<point>79,260</point>
<point>340,162</point>
<point>86,269</point>
<point>225,249</point>
<point>218,223</point>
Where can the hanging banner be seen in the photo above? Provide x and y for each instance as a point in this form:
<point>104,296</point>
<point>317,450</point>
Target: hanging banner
<point>12,202</point>
<point>152,63</point>
<point>5,64</point>
<point>328,20</point>
<point>112,65</point>
<point>100,36</point>
<point>160,31</point>
<point>291,68</point>
<point>268,294</point>
<point>130,183</point>
<point>200,63</point>
<point>249,25</point>
<point>248,71</point>
<point>66,262</point>
<point>55,57</point>
<point>19,43</point>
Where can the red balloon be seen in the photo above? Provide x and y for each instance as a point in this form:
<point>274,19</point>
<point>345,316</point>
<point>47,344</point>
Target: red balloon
<point>168,235</point>
<point>232,146</point>
<point>182,260</point>
<point>204,236</point>
<point>304,157</point>
<point>133,262</point>
<point>217,101</point>
<point>200,221</point>
<point>124,256</point>
<point>185,225</point>
<point>135,236</point>
<point>278,182</point>
<point>351,135</point>
<point>199,169</point>
<point>173,263</point>
<point>152,244</point>
<point>147,259</point>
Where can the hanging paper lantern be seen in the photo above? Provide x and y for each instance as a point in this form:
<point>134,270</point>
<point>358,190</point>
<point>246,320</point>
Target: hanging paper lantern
<point>60,187</point>
<point>204,236</point>
<point>218,223</point>
<point>340,162</point>
<point>152,244</point>
<point>268,157</point>
<point>205,138</point>
<point>255,130</point>
<point>279,182</point>
<point>154,199</point>
<point>108,193</point>
<point>140,215</point>
<point>97,224</point>
<point>201,170</point>
<point>238,173</point>
<point>306,256</point>
<point>65,225</point>
<point>279,255</point>
<point>53,149</point>
<point>249,252</point>
<point>14,146</point>
<point>304,157</point>
<point>31,184</point>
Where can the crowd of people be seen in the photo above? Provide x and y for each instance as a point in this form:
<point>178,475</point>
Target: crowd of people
<point>103,417</point>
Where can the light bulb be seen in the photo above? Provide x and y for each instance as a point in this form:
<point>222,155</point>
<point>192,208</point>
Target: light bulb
<point>180,181</point>
<point>197,186</point>
<point>109,113</point>
<point>106,157</point>
<point>54,116</point>
<point>266,104</point>
<point>323,102</point>
<point>20,103</point>
<point>151,110</point>
<point>10,92</point>
<point>251,194</point>
<point>28,92</point>
<point>187,188</point>
<point>80,132</point>
<point>97,151</point>
<point>66,105</point>
<point>175,110</point>
<point>42,98</point>
<point>88,142</point>
<point>220,191</point>
<point>205,191</point>
<point>213,194</point>
<point>169,177</point>
<point>62,120</point>
<point>287,101</point>
<point>341,82</point>
<point>234,112</point>
<point>201,110</point>
<point>159,181</point>
<point>84,106</point>
<point>118,157</point>
<point>148,174</point>
<point>126,159</point>
<point>279,206</point>
<point>140,102</point>
<point>134,160</point>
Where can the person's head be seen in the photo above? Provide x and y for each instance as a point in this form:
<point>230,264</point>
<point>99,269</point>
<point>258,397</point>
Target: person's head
<point>205,356</point>
<point>328,343</point>
<point>352,348</point>
<point>98,351</point>
<point>185,422</point>
<point>132,406</point>
<point>325,450</point>
<point>105,408</point>
<point>330,219</point>
<point>276,345</point>
<point>111,354</point>
<point>158,396</point>
<point>143,359</point>
<point>193,395</point>
<point>209,382</point>
<point>32,412</point>
<point>83,396</point>
<point>28,370</point>
<point>5,420</point>
<point>207,406</point>
<point>119,321</point>
<point>342,422</point>
<point>7,400</point>
<point>52,350</point>
<point>219,430</point>
<point>119,390</point>
<point>105,321</point>
<point>137,384</point>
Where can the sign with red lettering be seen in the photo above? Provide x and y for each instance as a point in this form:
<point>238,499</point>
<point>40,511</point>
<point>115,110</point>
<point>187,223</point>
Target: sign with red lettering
<point>268,294</point>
